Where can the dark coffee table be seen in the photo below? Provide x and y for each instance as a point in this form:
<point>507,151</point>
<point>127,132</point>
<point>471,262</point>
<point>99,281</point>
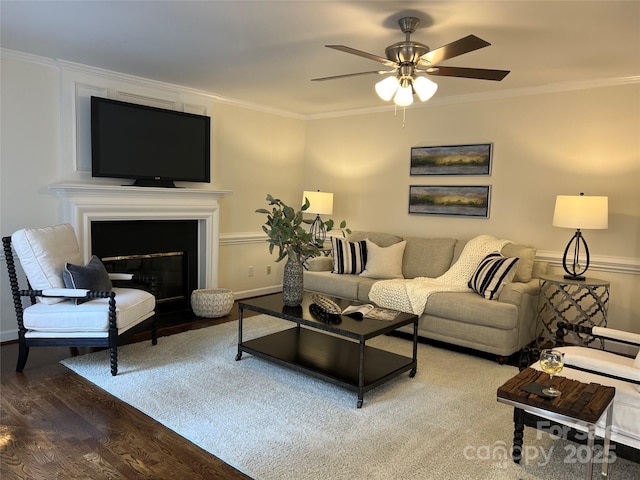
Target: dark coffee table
<point>342,358</point>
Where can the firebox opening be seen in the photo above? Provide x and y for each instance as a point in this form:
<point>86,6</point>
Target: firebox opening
<point>167,249</point>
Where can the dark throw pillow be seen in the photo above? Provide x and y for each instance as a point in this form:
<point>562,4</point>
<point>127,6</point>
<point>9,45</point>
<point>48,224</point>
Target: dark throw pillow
<point>92,276</point>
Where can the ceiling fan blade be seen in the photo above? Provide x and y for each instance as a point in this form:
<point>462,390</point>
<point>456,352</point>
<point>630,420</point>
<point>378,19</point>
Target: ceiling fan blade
<point>360,53</point>
<point>379,72</point>
<point>479,73</point>
<point>453,49</point>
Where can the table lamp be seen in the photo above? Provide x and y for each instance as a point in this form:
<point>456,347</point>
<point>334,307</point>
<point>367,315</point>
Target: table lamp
<point>579,212</point>
<point>320,203</point>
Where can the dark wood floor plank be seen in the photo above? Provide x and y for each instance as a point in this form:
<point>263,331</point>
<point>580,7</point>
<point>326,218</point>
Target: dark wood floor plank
<point>56,424</point>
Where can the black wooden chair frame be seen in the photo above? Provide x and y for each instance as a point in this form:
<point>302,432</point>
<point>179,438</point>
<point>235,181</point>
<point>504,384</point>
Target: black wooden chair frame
<point>110,341</point>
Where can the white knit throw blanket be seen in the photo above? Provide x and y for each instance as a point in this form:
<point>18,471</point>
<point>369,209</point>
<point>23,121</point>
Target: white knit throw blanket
<point>412,295</point>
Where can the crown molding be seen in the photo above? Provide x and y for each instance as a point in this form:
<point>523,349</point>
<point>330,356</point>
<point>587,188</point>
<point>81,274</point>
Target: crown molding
<point>484,96</point>
<point>27,57</point>
<point>451,100</point>
<point>147,82</point>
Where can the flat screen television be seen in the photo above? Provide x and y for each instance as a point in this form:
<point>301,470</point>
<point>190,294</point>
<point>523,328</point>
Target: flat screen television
<point>150,145</point>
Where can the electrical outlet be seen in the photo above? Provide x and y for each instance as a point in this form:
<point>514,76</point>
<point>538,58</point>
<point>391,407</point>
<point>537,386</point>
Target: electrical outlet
<point>250,271</point>
<point>268,269</point>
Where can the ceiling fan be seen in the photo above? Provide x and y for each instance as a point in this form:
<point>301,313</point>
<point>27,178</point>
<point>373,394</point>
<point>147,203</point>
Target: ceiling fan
<point>409,59</point>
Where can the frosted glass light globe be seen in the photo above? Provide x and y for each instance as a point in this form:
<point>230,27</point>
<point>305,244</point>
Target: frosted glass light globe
<point>386,88</point>
<point>425,88</point>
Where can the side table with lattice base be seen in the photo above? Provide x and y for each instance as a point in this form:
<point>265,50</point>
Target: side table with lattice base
<point>576,302</point>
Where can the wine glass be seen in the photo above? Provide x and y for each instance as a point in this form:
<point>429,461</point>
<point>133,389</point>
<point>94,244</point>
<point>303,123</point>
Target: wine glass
<point>551,362</point>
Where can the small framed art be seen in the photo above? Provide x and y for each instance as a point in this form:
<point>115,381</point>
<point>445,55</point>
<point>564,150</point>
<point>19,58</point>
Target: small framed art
<point>466,201</point>
<point>452,160</point>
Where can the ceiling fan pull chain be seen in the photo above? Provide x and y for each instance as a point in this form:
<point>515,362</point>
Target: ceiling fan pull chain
<point>404,113</point>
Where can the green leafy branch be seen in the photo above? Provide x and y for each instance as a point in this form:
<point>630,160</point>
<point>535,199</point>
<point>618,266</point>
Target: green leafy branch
<point>285,232</point>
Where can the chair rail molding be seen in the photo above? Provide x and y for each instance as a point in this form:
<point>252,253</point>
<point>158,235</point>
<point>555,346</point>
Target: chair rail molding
<point>630,266</point>
<point>84,203</point>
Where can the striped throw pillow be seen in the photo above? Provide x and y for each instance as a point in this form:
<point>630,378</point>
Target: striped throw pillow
<point>348,257</point>
<point>492,274</point>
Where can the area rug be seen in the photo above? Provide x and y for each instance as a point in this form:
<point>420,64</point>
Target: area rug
<point>274,423</point>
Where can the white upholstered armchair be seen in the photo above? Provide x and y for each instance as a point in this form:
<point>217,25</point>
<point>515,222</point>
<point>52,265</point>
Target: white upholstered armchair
<point>593,365</point>
<point>71,304</point>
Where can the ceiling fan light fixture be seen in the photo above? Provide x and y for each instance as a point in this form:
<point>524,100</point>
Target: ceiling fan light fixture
<point>425,88</point>
<point>404,96</point>
<point>387,88</point>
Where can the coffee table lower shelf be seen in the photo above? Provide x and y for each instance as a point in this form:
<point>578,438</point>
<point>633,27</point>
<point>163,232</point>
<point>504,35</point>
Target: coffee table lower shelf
<point>330,358</point>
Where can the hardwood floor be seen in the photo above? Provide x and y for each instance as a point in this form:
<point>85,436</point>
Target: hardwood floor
<point>56,425</point>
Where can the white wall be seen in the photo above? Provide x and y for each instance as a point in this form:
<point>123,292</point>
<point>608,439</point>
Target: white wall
<point>29,159</point>
<point>256,154</point>
<point>544,145</point>
<point>586,140</point>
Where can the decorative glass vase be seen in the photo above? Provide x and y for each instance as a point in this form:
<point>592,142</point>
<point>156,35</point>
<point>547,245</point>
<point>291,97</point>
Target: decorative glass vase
<point>292,283</point>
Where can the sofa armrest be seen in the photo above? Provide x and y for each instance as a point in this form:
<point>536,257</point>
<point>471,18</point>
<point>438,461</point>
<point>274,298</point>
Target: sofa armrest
<point>514,292</point>
<point>320,264</point>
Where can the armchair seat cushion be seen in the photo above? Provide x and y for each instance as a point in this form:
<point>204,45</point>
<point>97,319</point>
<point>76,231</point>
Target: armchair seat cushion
<point>132,306</point>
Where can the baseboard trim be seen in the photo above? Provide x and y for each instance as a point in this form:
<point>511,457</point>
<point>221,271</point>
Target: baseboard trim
<point>257,292</point>
<point>9,336</point>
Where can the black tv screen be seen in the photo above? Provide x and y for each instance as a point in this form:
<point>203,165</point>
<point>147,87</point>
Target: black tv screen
<point>150,145</point>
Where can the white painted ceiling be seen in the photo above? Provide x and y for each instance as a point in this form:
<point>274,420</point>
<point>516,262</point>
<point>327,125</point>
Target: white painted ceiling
<point>266,52</point>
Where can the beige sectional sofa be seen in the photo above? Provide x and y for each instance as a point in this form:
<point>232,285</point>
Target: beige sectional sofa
<point>501,326</point>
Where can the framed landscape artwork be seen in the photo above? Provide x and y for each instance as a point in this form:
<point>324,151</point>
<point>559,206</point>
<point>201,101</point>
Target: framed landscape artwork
<point>467,201</point>
<point>452,160</point>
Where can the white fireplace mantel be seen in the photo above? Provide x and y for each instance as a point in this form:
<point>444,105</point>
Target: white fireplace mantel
<point>84,203</point>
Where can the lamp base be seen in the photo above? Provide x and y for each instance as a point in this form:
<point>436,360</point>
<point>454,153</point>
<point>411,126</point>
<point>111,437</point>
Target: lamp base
<point>318,231</point>
<point>578,278</point>
<point>576,272</point>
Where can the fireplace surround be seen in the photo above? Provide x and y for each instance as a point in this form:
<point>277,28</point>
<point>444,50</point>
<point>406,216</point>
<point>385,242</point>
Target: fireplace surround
<point>84,204</point>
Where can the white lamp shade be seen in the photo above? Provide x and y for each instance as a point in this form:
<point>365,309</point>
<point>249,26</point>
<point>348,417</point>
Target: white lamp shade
<point>386,88</point>
<point>581,211</point>
<point>425,88</point>
<point>404,96</point>
<point>321,203</point>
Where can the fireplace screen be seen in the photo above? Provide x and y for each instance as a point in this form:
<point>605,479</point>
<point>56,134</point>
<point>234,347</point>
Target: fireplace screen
<point>167,267</point>
<point>167,249</point>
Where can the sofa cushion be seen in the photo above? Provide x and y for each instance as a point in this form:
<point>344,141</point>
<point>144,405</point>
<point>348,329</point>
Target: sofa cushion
<point>380,239</point>
<point>348,257</point>
<point>92,276</point>
<point>384,262</point>
<point>320,264</point>
<point>493,272</point>
<point>427,257</point>
<point>527,256</point>
<point>471,308</point>
<point>43,253</point>
<point>327,283</point>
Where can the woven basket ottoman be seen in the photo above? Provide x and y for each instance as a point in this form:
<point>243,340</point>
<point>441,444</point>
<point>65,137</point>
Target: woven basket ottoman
<point>212,302</point>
